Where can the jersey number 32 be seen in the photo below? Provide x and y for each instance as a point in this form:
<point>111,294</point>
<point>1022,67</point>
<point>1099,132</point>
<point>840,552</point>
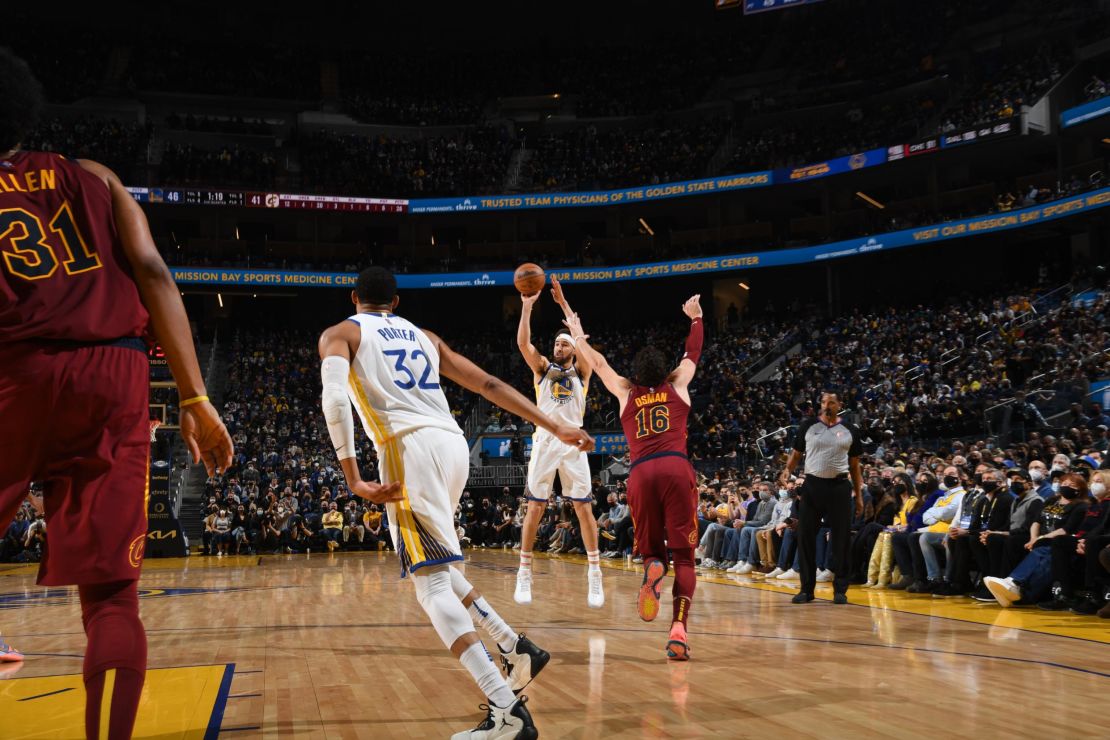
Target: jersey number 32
<point>400,366</point>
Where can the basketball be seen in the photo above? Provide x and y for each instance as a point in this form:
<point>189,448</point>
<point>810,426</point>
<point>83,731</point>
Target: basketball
<point>529,278</point>
<point>722,510</point>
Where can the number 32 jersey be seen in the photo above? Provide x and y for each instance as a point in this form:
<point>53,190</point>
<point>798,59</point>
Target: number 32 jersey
<point>63,272</point>
<point>654,421</point>
<point>394,382</point>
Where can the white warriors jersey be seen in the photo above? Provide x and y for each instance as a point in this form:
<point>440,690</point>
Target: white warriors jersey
<point>394,381</point>
<point>561,394</point>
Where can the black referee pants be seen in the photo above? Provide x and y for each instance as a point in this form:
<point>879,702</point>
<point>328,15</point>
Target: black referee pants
<point>829,499</point>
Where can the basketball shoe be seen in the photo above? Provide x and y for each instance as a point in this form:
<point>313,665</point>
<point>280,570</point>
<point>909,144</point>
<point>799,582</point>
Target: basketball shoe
<point>511,723</point>
<point>677,648</point>
<point>648,603</point>
<point>523,663</point>
<point>8,654</point>
<point>595,597</point>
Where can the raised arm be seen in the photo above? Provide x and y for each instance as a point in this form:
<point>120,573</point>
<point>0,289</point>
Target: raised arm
<point>681,376</point>
<point>614,382</point>
<point>585,359</point>
<point>337,345</point>
<point>464,372</point>
<point>532,357</point>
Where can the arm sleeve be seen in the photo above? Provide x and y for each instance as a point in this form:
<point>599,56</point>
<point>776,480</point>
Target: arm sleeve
<point>337,406</point>
<point>694,341</point>
<point>800,436</point>
<point>856,448</point>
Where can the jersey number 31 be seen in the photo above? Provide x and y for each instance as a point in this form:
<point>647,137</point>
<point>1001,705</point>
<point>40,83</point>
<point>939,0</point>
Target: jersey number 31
<point>28,254</point>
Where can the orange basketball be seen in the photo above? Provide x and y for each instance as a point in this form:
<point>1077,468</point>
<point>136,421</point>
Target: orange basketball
<point>529,278</point>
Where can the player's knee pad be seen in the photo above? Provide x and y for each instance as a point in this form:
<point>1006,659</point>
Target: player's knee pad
<point>459,584</point>
<point>437,597</point>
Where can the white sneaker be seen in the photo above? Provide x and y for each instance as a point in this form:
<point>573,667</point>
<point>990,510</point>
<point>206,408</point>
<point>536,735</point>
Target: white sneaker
<point>511,722</point>
<point>746,568</point>
<point>787,575</point>
<point>736,568</point>
<point>523,593</point>
<point>775,573</point>
<point>824,576</point>
<point>708,563</point>
<point>1004,590</point>
<point>596,596</point>
<point>699,553</point>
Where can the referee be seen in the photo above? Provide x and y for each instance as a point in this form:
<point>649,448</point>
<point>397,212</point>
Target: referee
<point>831,448</point>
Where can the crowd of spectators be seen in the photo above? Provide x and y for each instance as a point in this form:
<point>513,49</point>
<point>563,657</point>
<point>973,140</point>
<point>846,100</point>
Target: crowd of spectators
<point>117,145</point>
<point>219,124</point>
<point>185,164</point>
<point>1002,82</point>
<point>467,162</point>
<point>589,158</point>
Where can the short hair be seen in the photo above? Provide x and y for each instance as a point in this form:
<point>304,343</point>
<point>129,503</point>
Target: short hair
<point>649,367</point>
<point>21,100</point>
<point>376,285</point>
<point>828,392</point>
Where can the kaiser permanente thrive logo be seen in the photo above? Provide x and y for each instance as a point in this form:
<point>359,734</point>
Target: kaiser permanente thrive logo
<point>466,205</point>
<point>870,245</point>
<point>485,280</point>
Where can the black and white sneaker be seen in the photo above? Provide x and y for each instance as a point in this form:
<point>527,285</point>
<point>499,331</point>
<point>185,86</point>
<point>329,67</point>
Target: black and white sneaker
<point>524,663</point>
<point>512,723</point>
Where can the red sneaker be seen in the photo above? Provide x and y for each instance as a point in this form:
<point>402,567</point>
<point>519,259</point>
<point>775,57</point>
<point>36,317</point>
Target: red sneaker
<point>648,603</point>
<point>677,649</point>
<point>8,654</point>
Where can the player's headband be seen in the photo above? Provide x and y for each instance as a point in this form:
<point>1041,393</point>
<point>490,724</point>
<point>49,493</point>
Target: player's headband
<point>563,335</point>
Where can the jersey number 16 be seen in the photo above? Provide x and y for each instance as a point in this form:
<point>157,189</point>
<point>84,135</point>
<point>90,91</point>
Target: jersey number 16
<point>652,420</point>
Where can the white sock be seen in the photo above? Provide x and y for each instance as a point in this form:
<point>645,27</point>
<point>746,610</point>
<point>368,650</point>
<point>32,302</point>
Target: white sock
<point>594,558</point>
<point>476,660</point>
<point>482,613</point>
<point>525,559</point>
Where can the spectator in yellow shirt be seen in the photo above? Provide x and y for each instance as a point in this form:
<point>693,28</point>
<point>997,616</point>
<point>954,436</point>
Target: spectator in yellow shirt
<point>333,526</point>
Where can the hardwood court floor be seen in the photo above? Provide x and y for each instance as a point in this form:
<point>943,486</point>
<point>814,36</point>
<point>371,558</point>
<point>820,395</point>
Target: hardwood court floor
<point>335,646</point>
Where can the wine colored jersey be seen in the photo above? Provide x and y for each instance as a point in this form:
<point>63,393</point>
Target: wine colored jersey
<point>63,272</point>
<point>654,420</point>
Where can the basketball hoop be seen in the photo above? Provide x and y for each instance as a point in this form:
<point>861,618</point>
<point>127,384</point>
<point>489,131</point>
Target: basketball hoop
<point>154,424</point>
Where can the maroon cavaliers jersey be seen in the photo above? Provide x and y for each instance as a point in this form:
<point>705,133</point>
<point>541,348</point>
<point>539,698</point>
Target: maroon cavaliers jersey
<point>63,273</point>
<point>654,420</point>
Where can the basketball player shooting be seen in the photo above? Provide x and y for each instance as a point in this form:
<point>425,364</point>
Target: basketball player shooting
<point>390,370</point>
<point>561,385</point>
<point>81,285</point>
<point>662,488</point>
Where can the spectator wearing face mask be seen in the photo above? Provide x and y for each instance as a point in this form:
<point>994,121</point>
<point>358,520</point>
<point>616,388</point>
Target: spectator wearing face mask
<point>208,538</point>
<point>769,537</point>
<point>880,565</point>
<point>1071,568</point>
<point>1004,531</point>
<point>332,523</point>
<point>1038,474</point>
<point>377,535</point>
<point>747,548</point>
<point>905,543</point>
<point>222,527</point>
<point>1062,516</point>
<point>937,520</point>
<point>990,510</point>
<point>352,524</point>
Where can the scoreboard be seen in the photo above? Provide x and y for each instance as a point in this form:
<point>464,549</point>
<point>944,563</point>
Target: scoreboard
<point>255,199</point>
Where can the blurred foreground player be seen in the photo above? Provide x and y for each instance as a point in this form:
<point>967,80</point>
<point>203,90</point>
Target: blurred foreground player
<point>390,370</point>
<point>662,488</point>
<point>81,282</point>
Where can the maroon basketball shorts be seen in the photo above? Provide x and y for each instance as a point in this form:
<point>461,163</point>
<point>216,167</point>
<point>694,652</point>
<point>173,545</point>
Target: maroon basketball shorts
<point>76,418</point>
<point>663,498</point>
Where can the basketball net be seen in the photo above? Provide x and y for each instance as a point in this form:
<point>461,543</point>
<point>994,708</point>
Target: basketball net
<point>154,424</point>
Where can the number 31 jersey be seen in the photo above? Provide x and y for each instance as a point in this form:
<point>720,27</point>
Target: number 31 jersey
<point>63,272</point>
<point>654,421</point>
<point>394,382</point>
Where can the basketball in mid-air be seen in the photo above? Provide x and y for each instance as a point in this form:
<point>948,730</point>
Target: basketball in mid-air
<point>529,278</point>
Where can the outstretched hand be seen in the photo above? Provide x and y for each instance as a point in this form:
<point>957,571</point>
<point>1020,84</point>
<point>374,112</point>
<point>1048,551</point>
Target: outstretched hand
<point>574,325</point>
<point>557,291</point>
<point>692,307</point>
<point>530,300</point>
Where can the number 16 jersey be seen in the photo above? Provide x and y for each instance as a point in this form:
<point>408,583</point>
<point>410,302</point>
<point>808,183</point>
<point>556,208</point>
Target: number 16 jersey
<point>394,382</point>
<point>654,421</point>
